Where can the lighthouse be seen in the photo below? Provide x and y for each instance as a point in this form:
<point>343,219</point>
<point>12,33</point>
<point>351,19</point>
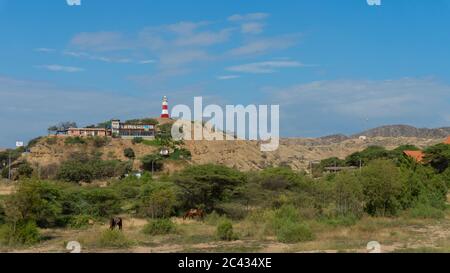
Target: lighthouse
<point>165,108</point>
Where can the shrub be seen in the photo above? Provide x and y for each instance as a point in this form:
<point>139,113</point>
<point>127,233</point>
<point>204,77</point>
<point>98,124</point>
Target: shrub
<point>214,218</point>
<point>129,153</point>
<point>225,231</point>
<point>152,162</point>
<point>235,211</point>
<point>25,170</point>
<point>180,154</point>
<point>35,201</point>
<point>74,141</point>
<point>114,238</point>
<point>102,202</point>
<point>159,227</point>
<point>382,186</point>
<point>291,232</point>
<point>137,140</point>
<point>21,233</point>
<point>79,221</point>
<point>51,140</point>
<point>348,195</point>
<point>422,211</point>
<point>157,201</point>
<point>100,141</point>
<point>75,171</point>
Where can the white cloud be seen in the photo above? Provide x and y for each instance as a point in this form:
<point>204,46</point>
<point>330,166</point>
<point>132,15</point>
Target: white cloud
<point>410,98</point>
<point>206,38</point>
<point>44,50</point>
<point>61,68</point>
<point>147,61</point>
<point>252,28</point>
<point>248,17</point>
<point>84,55</point>
<point>100,41</point>
<point>264,67</point>
<point>261,46</point>
<point>228,77</point>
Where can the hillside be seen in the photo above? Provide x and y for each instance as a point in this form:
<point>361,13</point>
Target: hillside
<point>243,155</point>
<point>406,131</point>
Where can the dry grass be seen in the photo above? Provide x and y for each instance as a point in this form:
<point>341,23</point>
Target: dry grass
<point>395,235</point>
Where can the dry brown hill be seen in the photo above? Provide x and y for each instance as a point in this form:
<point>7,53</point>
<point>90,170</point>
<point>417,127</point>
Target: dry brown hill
<point>244,155</point>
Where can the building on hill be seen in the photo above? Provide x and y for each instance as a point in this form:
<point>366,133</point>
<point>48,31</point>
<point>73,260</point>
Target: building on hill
<point>127,130</point>
<point>85,132</point>
<point>418,156</point>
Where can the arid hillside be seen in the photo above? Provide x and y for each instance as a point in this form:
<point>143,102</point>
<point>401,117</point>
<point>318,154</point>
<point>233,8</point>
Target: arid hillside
<point>243,155</point>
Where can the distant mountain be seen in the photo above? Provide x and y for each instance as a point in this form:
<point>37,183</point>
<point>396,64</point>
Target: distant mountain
<point>334,138</point>
<point>406,131</point>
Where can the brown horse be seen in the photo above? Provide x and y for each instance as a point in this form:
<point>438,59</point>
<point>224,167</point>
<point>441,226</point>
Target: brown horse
<point>116,222</point>
<point>194,213</point>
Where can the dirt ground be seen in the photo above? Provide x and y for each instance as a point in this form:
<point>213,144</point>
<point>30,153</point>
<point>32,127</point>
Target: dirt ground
<point>394,235</point>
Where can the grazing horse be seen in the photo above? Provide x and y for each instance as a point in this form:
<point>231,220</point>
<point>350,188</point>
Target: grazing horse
<point>116,222</point>
<point>194,213</point>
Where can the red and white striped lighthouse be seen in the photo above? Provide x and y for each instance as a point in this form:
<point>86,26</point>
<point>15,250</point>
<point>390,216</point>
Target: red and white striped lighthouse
<point>165,108</point>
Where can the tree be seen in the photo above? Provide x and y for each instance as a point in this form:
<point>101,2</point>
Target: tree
<point>364,157</point>
<point>382,186</point>
<point>438,157</point>
<point>62,126</point>
<point>348,194</point>
<point>157,201</point>
<point>152,163</point>
<point>129,153</point>
<point>205,185</point>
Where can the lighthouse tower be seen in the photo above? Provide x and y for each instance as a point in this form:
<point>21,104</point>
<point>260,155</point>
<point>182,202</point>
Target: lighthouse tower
<point>165,108</point>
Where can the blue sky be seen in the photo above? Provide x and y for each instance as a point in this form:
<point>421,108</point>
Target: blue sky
<point>332,66</point>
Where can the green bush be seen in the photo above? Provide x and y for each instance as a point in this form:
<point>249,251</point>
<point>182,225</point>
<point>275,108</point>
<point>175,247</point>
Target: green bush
<point>75,171</point>
<point>102,202</point>
<point>21,233</point>
<point>74,141</point>
<point>129,153</point>
<point>35,201</point>
<point>382,187</point>
<point>25,170</point>
<point>87,169</point>
<point>79,221</point>
<point>292,232</point>
<point>51,140</point>
<point>348,195</point>
<point>99,141</point>
<point>153,162</point>
<point>159,227</point>
<point>225,231</point>
<point>157,200</point>
<point>137,140</point>
<point>181,154</point>
<point>426,212</point>
<point>114,238</point>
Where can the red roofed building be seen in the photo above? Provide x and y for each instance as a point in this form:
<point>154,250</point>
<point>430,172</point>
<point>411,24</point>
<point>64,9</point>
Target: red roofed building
<point>447,141</point>
<point>418,156</point>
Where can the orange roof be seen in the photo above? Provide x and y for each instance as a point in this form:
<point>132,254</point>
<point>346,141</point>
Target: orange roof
<point>447,141</point>
<point>416,155</point>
